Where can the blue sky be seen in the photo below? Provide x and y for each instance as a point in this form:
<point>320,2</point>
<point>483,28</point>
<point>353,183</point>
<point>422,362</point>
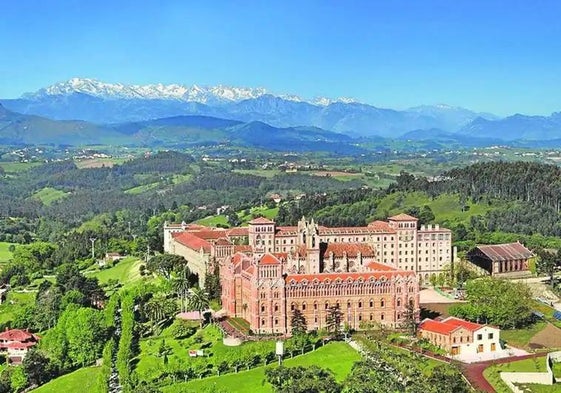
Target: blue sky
<point>496,56</point>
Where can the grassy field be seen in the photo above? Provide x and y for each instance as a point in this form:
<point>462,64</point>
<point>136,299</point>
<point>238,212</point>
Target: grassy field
<point>126,271</point>
<point>521,337</point>
<point>79,381</point>
<point>48,195</point>
<point>337,356</point>
<point>5,253</point>
<point>213,221</point>
<point>150,364</point>
<point>527,365</point>
<point>99,162</point>
<point>446,207</point>
<point>268,173</point>
<point>142,188</point>
<point>15,301</point>
<point>16,167</point>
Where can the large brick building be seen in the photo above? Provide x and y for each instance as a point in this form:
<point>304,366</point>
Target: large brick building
<point>371,272</point>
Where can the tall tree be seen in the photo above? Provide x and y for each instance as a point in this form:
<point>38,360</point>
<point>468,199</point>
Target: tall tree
<point>548,263</point>
<point>199,301</point>
<point>334,317</point>
<point>298,322</point>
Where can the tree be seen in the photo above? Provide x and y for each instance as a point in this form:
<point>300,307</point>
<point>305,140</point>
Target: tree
<point>37,367</point>
<point>18,379</point>
<point>298,322</point>
<point>410,319</point>
<point>503,303</point>
<point>166,264</point>
<point>548,262</point>
<point>334,317</point>
<point>181,285</point>
<point>300,379</point>
<point>199,301</point>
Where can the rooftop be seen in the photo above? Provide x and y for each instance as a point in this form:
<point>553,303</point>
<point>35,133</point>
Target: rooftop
<point>504,252</point>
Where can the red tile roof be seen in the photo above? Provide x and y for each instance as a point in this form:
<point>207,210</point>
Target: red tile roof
<point>403,217</point>
<point>460,322</point>
<point>448,325</point>
<point>377,266</point>
<point>16,335</point>
<point>261,220</point>
<point>210,234</point>
<point>505,252</point>
<point>347,276</point>
<point>223,242</point>
<point>191,241</point>
<point>243,248</point>
<point>269,259</point>
<point>350,249</point>
<point>437,327</point>
<point>234,232</point>
<point>381,226</point>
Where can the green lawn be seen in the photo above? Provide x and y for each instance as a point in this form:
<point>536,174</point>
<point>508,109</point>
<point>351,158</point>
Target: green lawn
<point>15,301</point>
<point>521,337</point>
<point>491,373</point>
<point>445,207</point>
<point>337,356</point>
<point>80,381</point>
<point>16,167</point>
<point>5,254</point>
<point>268,173</point>
<point>264,211</point>
<point>142,188</point>
<point>213,221</point>
<point>126,271</point>
<point>150,364</point>
<point>48,195</point>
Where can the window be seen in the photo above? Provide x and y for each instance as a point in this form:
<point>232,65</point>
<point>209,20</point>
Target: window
<point>276,321</point>
<point>490,336</point>
<point>371,304</point>
<point>262,308</point>
<point>359,304</point>
<point>303,306</point>
<point>480,337</point>
<point>382,303</point>
<point>262,322</point>
<point>292,307</point>
<point>276,307</point>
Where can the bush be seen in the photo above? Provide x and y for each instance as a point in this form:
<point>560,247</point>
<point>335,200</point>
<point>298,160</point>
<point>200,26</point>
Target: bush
<point>181,329</point>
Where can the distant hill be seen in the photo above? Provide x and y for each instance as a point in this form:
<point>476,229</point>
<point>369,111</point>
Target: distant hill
<point>516,127</point>
<point>16,128</point>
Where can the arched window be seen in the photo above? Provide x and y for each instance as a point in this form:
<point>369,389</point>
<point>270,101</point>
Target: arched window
<point>303,306</point>
<point>382,303</point>
<point>398,302</point>
<point>262,308</point>
<point>276,307</point>
<point>371,303</point>
<point>359,304</point>
<point>382,317</point>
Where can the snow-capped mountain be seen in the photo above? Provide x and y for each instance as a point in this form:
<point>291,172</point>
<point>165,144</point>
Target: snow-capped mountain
<point>201,94</point>
<point>103,103</point>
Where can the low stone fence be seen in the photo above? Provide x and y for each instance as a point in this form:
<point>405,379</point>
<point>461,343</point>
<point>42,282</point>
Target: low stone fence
<point>545,378</point>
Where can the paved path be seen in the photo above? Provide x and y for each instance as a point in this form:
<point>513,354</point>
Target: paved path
<point>429,295</point>
<point>474,371</point>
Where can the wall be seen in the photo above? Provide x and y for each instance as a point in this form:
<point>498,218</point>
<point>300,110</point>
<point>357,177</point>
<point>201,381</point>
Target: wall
<point>546,378</point>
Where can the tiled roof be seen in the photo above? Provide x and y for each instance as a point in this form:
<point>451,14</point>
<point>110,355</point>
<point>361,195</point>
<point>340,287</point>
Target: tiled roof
<point>437,326</point>
<point>223,242</point>
<point>345,277</point>
<point>16,335</point>
<point>269,259</point>
<point>261,220</point>
<point>350,249</point>
<point>448,325</point>
<point>505,252</point>
<point>460,322</point>
<point>403,217</point>
<point>286,231</point>
<point>377,266</point>
<point>241,231</point>
<point>191,241</point>
<point>210,234</point>
<point>380,226</point>
<point>243,248</point>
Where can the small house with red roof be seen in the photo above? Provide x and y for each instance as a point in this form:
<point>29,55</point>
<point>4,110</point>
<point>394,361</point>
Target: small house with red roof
<point>460,337</point>
<point>16,343</point>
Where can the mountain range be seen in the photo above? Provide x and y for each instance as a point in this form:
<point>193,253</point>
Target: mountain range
<point>86,104</point>
<point>102,103</point>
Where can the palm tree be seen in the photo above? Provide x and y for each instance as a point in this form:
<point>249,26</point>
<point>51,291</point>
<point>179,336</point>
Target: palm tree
<point>199,301</point>
<point>181,287</point>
